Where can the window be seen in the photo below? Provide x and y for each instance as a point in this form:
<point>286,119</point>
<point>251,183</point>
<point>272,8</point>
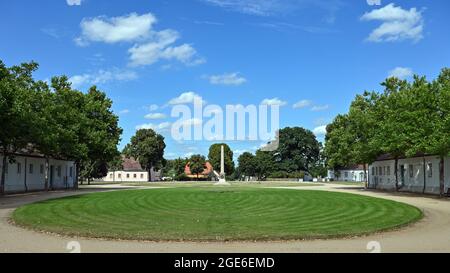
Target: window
<point>119,175</point>
<point>31,168</point>
<point>380,170</point>
<point>111,176</point>
<point>430,169</point>
<point>388,170</point>
<point>373,171</point>
<point>345,174</point>
<point>142,176</point>
<point>58,170</point>
<point>411,171</point>
<point>128,175</point>
<point>42,169</point>
<point>19,168</point>
<point>70,171</point>
<point>134,175</point>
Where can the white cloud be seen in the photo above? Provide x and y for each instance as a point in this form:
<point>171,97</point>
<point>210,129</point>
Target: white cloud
<point>150,45</point>
<point>227,79</point>
<point>128,28</point>
<point>161,48</point>
<point>277,7</point>
<point>274,101</point>
<point>320,131</point>
<point>153,107</point>
<point>318,108</point>
<point>102,77</point>
<point>156,127</point>
<point>73,2</point>
<point>185,98</point>
<point>155,116</point>
<point>302,104</point>
<point>401,72</point>
<point>124,111</point>
<point>397,24</point>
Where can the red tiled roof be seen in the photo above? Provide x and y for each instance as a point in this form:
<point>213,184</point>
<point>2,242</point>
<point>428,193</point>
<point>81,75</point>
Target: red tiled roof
<point>130,164</point>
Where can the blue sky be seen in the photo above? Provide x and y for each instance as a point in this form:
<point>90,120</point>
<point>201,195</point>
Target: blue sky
<point>312,57</point>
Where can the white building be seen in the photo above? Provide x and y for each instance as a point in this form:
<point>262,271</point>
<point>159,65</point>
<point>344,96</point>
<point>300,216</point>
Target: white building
<point>28,173</point>
<point>131,172</point>
<point>353,173</point>
<point>418,174</point>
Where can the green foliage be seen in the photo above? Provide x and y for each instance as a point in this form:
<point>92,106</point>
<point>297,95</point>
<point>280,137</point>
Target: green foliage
<point>214,157</point>
<point>57,121</point>
<point>175,169</point>
<point>299,149</point>
<point>197,164</point>
<point>147,147</point>
<point>247,164</point>
<point>407,119</point>
<point>284,174</point>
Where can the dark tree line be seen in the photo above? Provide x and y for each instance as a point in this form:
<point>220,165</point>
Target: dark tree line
<point>55,120</point>
<point>406,119</point>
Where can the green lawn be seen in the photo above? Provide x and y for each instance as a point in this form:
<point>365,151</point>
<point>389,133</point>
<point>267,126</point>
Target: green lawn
<point>347,183</point>
<point>215,213</point>
<point>209,184</point>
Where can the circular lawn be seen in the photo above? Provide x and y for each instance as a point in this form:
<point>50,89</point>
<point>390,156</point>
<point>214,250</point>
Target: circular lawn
<point>204,214</point>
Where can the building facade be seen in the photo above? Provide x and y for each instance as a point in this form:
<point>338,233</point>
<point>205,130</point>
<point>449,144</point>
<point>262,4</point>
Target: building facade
<point>417,174</point>
<point>131,171</point>
<point>353,173</point>
<point>29,172</point>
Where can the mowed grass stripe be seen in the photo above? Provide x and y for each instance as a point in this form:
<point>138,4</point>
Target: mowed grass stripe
<point>211,213</point>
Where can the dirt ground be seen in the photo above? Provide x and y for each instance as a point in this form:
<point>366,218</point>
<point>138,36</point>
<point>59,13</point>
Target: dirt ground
<point>431,234</point>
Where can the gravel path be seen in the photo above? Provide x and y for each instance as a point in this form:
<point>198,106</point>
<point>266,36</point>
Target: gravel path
<point>432,234</point>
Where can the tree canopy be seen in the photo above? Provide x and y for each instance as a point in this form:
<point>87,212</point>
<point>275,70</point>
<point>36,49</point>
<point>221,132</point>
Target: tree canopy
<point>147,147</point>
<point>55,120</point>
<point>406,119</point>
<point>214,157</point>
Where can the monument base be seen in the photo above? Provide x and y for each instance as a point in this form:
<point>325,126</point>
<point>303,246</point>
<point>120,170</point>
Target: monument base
<point>222,182</point>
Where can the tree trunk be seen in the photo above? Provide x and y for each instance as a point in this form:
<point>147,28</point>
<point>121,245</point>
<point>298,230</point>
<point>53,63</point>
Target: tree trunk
<point>150,173</point>
<point>25,175</point>
<point>3,178</point>
<point>424,176</point>
<point>441,176</point>
<point>77,175</point>
<point>396,174</point>
<point>366,184</point>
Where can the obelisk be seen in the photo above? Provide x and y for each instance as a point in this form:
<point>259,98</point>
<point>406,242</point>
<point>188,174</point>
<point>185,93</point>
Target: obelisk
<point>222,179</point>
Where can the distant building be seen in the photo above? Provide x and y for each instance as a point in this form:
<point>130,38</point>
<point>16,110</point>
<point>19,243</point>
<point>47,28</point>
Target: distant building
<point>416,174</point>
<point>207,172</point>
<point>30,169</point>
<point>131,171</point>
<point>354,173</point>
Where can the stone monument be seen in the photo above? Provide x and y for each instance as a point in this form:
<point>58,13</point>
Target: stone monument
<point>222,179</point>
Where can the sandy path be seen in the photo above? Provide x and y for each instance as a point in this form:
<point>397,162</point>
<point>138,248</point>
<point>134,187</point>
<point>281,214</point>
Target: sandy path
<point>432,234</point>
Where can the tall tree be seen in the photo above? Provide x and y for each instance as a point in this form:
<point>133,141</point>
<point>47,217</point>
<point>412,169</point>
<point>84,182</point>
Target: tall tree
<point>440,138</point>
<point>197,164</point>
<point>298,149</point>
<point>147,147</point>
<point>214,157</point>
<point>264,163</point>
<point>247,164</point>
<point>101,134</point>
<point>16,119</point>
